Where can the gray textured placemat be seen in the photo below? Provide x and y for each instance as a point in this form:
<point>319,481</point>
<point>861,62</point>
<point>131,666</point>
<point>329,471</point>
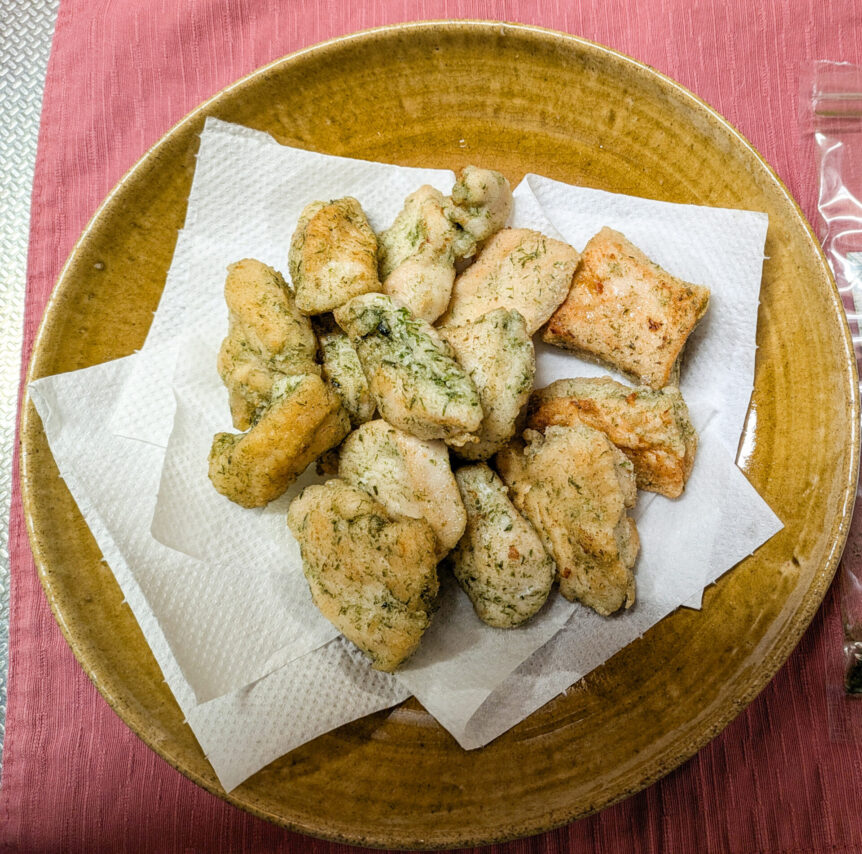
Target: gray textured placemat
<point>25,42</point>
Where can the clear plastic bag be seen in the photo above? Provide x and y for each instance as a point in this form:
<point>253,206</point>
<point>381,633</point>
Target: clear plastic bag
<point>831,111</point>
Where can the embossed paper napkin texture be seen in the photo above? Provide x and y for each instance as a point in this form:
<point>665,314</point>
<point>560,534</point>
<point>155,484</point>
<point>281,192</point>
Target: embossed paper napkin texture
<point>222,628</point>
<point>110,477</point>
<point>461,663</point>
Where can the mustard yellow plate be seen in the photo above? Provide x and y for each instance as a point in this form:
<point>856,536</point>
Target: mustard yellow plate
<point>517,99</point>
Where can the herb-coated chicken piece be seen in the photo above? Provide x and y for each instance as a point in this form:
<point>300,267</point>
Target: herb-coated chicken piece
<point>333,256</point>
<point>497,353</point>
<point>372,575</point>
<point>341,366</point>
<point>418,252</point>
<point>412,373</point>
<point>304,419</point>
<point>517,269</point>
<point>625,310</point>
<point>574,486</point>
<point>431,232</point>
<point>481,202</point>
<point>500,561</point>
<point>268,338</point>
<point>408,476</point>
<point>652,428</point>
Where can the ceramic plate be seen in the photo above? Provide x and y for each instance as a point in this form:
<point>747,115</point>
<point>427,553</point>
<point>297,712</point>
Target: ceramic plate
<point>517,99</point>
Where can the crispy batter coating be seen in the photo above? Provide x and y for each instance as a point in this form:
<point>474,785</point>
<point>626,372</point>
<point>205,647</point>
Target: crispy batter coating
<point>411,371</point>
<point>333,256</point>
<point>408,476</point>
<point>497,352</point>
<point>575,486</point>
<point>500,561</point>
<point>373,576</point>
<point>418,252</point>
<point>625,310</point>
<point>481,202</point>
<point>304,419</point>
<point>341,366</point>
<point>517,269</point>
<point>267,338</point>
<point>651,428</point>
<point>417,255</point>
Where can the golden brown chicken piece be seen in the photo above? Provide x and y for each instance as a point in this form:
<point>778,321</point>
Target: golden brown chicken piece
<point>497,353</point>
<point>408,476</point>
<point>333,256</point>
<point>373,576</point>
<point>517,269</point>
<point>418,252</point>
<point>341,366</point>
<point>651,428</point>
<point>304,419</point>
<point>267,338</point>
<point>625,310</point>
<point>500,561</point>
<point>575,486</point>
<point>411,370</point>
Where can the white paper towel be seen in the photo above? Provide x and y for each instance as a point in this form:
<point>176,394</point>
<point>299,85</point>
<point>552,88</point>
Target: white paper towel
<point>246,196</point>
<point>228,624</point>
<point>474,701</point>
<point>108,477</point>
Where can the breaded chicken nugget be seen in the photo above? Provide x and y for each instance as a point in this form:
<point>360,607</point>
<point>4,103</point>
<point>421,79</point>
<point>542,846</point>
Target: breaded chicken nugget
<point>575,486</point>
<point>625,310</point>
<point>652,428</point>
<point>497,353</point>
<point>411,371</point>
<point>333,256</point>
<point>431,232</point>
<point>481,202</point>
<point>267,338</point>
<point>408,476</point>
<point>500,561</point>
<point>517,269</point>
<point>374,577</point>
<point>417,255</point>
<point>304,419</point>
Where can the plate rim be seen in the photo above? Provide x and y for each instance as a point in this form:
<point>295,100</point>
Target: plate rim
<point>796,626</point>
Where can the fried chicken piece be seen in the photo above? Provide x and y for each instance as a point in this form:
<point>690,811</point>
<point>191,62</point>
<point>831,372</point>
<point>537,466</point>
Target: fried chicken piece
<point>651,428</point>
<point>498,355</point>
<point>411,371</point>
<point>500,561</point>
<point>341,366</point>
<point>373,576</point>
<point>625,310</point>
<point>408,476</point>
<point>481,202</point>
<point>419,250</point>
<point>267,338</point>
<point>417,255</point>
<point>517,269</point>
<point>333,256</point>
<point>575,486</point>
<point>304,419</point>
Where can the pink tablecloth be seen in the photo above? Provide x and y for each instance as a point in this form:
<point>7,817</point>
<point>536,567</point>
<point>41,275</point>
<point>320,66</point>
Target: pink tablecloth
<point>786,776</point>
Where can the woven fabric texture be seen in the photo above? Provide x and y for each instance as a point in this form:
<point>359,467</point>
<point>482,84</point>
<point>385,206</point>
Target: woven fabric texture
<point>785,776</point>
